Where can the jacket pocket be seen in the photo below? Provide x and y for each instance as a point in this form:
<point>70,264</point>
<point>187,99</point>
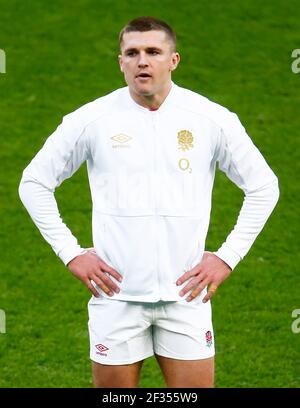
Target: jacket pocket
<point>128,244</point>
<point>183,238</point>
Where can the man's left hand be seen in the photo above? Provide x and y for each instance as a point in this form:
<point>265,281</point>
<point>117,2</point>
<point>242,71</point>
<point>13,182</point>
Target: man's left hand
<point>211,271</point>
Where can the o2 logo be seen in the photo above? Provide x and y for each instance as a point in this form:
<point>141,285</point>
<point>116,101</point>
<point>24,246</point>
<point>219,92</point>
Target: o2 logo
<point>184,165</point>
<point>296,323</point>
<point>296,63</point>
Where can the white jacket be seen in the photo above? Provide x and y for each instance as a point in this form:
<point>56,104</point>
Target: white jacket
<point>151,175</point>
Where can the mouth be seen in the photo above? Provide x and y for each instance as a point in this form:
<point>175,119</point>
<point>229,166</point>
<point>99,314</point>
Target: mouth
<point>143,76</point>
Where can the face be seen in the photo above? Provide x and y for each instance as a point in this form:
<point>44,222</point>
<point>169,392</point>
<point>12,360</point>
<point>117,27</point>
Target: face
<point>147,60</point>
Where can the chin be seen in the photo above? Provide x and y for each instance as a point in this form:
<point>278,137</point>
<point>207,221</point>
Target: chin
<point>144,91</point>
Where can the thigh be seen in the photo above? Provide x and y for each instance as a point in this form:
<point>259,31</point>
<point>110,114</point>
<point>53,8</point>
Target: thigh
<point>187,373</point>
<point>116,376</point>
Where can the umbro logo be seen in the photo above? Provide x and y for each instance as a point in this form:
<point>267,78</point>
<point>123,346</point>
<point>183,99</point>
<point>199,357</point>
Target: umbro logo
<point>101,349</point>
<point>122,140</point>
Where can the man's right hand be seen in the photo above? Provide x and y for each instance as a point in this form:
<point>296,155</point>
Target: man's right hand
<point>89,267</point>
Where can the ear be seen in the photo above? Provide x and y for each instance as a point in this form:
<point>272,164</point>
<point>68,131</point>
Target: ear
<point>120,62</point>
<point>174,61</point>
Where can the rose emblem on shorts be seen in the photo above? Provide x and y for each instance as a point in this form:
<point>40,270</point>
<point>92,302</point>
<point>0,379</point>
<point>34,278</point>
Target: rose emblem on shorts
<point>208,338</point>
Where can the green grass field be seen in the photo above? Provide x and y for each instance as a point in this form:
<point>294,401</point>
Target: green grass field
<point>63,54</point>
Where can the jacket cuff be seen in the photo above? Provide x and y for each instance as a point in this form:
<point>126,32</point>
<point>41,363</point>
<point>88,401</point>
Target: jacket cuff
<point>228,255</point>
<point>70,252</point>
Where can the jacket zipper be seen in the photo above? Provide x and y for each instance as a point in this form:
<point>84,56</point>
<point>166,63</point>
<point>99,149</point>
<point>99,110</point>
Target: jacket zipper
<point>156,218</point>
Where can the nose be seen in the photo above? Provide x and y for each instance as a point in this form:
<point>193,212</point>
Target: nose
<point>143,62</point>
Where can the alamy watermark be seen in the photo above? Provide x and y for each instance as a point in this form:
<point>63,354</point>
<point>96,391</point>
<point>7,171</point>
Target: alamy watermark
<point>2,62</point>
<point>2,322</point>
<point>296,63</point>
<point>296,323</point>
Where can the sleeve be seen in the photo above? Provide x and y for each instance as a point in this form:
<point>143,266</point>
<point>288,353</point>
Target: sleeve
<point>243,164</point>
<point>60,157</point>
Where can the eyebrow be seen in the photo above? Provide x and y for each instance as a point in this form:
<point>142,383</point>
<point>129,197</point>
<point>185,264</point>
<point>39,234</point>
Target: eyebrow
<point>147,49</point>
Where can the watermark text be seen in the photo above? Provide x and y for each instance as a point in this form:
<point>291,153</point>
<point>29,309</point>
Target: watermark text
<point>296,63</point>
<point>296,323</point>
<point>2,321</point>
<point>2,62</point>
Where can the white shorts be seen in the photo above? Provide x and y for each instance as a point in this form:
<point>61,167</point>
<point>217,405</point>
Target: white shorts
<point>123,332</point>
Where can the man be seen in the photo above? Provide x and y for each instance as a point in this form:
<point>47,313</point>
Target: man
<point>151,150</point>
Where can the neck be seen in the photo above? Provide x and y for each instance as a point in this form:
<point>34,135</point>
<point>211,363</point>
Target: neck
<point>151,102</point>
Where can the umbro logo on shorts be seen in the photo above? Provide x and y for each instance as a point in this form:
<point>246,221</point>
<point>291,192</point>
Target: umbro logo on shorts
<point>101,349</point>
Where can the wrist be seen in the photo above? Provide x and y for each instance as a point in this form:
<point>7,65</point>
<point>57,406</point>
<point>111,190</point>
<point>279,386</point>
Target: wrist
<point>228,256</point>
<point>84,251</point>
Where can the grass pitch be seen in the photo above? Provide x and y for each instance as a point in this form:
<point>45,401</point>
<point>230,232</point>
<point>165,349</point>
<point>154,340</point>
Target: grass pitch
<point>62,55</point>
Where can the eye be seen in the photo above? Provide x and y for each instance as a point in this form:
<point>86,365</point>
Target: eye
<point>154,52</point>
<point>131,53</point>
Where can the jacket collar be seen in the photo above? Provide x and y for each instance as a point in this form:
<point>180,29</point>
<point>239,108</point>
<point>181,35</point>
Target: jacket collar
<point>168,100</point>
